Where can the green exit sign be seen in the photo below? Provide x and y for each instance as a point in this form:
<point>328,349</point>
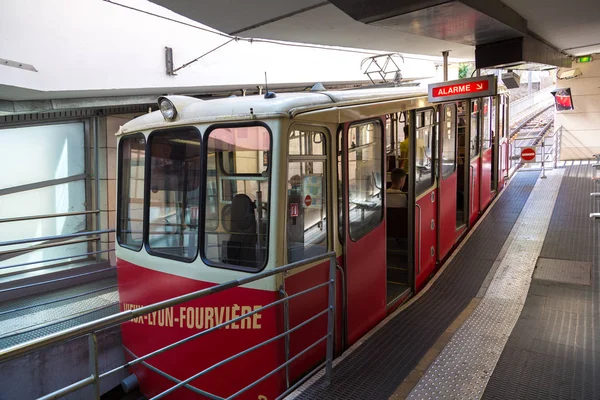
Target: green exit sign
<point>584,59</point>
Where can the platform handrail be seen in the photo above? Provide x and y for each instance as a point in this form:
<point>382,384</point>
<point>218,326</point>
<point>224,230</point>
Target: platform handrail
<point>45,216</point>
<point>55,237</point>
<point>91,328</point>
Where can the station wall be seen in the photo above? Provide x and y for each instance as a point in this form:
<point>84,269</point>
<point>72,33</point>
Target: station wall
<point>581,126</point>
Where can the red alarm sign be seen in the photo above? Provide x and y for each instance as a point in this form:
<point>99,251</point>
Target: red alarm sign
<point>463,89</point>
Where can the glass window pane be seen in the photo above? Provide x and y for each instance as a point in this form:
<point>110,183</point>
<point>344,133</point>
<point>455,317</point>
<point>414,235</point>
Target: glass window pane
<point>487,133</point>
<point>63,198</point>
<point>448,131</point>
<point>306,143</point>
<point>474,128</point>
<point>307,205</point>
<point>174,193</point>
<point>132,157</point>
<point>58,151</point>
<point>242,149</point>
<point>211,219</point>
<point>364,178</point>
<point>425,155</point>
<point>242,195</point>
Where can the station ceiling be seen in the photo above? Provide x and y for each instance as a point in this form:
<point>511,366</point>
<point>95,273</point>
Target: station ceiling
<point>425,27</point>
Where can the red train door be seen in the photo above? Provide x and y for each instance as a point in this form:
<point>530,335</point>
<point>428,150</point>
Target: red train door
<point>475,163</point>
<point>488,160</point>
<point>448,183</point>
<point>365,234</point>
<point>503,143</point>
<point>426,195</point>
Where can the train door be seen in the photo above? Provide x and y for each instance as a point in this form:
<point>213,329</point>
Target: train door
<point>448,182</point>
<point>488,160</point>
<point>474,165</point>
<point>425,190</point>
<point>399,273</point>
<point>308,234</point>
<point>364,235</point>
<point>502,140</point>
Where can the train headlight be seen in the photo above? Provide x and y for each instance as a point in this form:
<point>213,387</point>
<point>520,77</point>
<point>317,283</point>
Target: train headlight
<point>167,109</point>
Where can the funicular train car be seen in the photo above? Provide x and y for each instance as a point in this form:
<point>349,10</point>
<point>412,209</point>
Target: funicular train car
<point>209,191</point>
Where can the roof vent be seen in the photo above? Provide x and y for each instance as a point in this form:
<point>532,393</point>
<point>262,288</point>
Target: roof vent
<point>318,87</point>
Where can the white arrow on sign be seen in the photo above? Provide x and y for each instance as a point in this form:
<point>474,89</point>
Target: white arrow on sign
<point>479,86</point>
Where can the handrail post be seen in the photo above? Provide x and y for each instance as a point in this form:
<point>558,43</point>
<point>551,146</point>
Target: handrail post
<point>97,185</point>
<point>286,328</point>
<point>543,157</point>
<point>330,321</point>
<point>93,356</point>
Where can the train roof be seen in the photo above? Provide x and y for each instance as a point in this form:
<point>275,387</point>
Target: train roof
<point>192,111</point>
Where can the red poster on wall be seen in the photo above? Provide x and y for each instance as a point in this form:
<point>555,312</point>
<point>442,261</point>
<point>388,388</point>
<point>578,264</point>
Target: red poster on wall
<point>562,99</point>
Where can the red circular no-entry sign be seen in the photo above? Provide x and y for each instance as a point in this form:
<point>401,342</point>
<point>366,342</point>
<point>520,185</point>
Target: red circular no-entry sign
<point>528,154</point>
<point>308,200</point>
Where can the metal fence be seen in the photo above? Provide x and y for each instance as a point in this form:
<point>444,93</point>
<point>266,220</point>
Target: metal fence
<point>546,144</point>
<point>595,196</point>
<point>92,328</point>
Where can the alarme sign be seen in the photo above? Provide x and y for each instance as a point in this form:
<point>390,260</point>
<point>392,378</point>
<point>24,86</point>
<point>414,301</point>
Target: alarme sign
<point>463,89</point>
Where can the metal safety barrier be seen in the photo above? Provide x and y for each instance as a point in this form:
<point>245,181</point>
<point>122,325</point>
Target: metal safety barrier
<point>595,196</point>
<point>91,329</point>
<point>547,145</point>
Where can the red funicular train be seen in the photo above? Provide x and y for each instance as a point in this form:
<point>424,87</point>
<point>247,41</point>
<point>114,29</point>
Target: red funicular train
<point>210,191</point>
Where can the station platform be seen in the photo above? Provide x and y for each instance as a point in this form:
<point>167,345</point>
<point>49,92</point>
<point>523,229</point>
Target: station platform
<point>513,314</point>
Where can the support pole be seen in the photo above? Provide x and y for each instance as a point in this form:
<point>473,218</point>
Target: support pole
<point>445,56</point>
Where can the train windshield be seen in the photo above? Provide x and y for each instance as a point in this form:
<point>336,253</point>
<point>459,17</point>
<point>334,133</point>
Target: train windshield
<point>237,197</point>
<point>174,193</point>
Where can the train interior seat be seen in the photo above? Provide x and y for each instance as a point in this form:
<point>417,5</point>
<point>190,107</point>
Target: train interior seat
<point>241,248</point>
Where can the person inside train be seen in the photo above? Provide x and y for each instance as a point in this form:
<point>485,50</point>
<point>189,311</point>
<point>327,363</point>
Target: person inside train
<point>404,150</point>
<point>395,197</point>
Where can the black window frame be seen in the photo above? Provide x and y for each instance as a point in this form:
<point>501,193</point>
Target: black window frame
<point>202,213</point>
<point>120,192</point>
<point>147,182</point>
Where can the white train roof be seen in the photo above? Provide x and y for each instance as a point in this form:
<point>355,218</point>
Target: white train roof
<point>193,111</point>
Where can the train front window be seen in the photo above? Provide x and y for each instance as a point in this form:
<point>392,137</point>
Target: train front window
<point>132,155</point>
<point>242,183</point>
<point>174,193</point>
<point>365,183</point>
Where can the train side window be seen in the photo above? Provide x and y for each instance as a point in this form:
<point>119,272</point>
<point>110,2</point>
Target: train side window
<point>241,196</point>
<point>174,193</point>
<point>474,128</point>
<point>365,184</point>
<point>449,140</point>
<point>425,155</point>
<point>211,217</point>
<point>307,196</point>
<point>132,158</point>
<point>487,131</point>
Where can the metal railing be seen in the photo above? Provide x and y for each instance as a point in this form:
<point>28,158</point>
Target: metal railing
<point>547,145</point>
<point>92,328</point>
<point>595,196</point>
